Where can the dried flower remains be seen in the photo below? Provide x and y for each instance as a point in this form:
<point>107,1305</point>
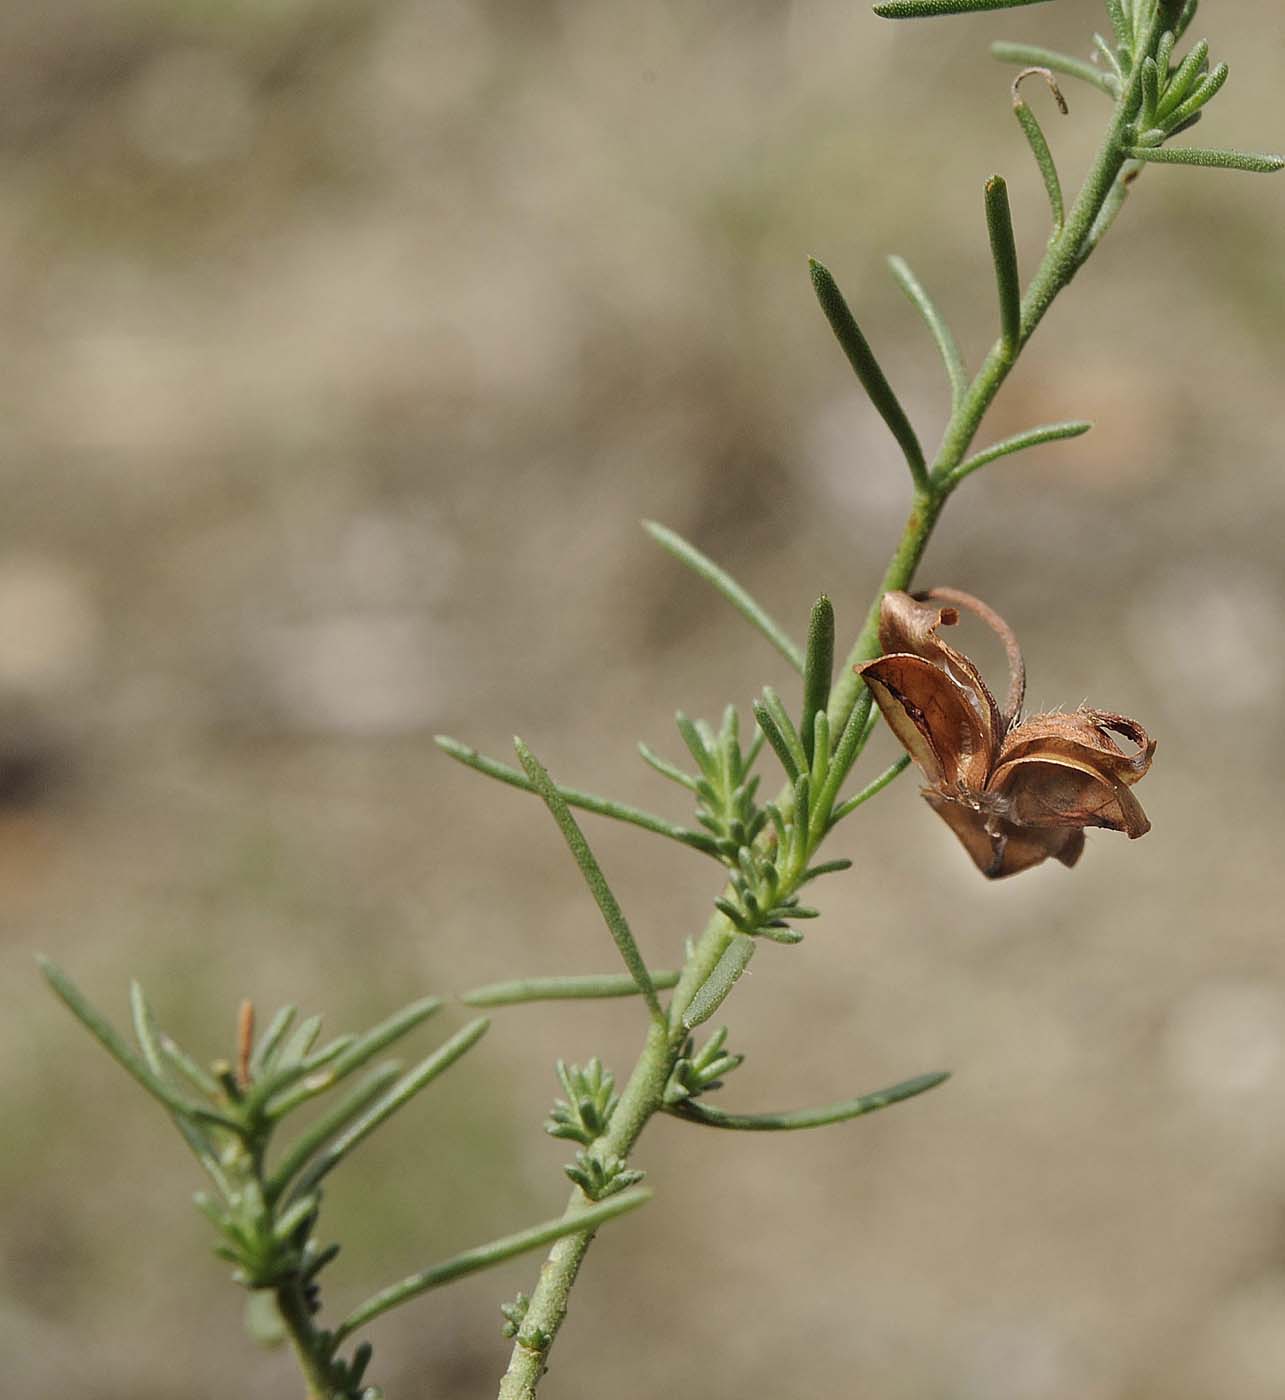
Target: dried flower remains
<point>1014,792</point>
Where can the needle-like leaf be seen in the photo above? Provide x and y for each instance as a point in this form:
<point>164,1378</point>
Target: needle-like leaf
<point>867,369</point>
<point>936,322</point>
<point>1030,56</point>
<point>818,668</point>
<point>330,1122</point>
<point>1038,143</point>
<point>102,1031</point>
<point>768,725</point>
<point>999,224</point>
<point>697,1112</point>
<point>666,769</point>
<point>265,1052</point>
<point>1032,437</point>
<point>1205,89</point>
<point>725,584</point>
<point>1259,163</point>
<point>1185,77</point>
<point>590,1217</point>
<point>152,1042</point>
<point>593,876</point>
<point>871,789</point>
<point>397,1097</point>
<point>586,801</point>
<point>929,9</point>
<point>357,1052</point>
<point>785,728</point>
<point>609,984</point>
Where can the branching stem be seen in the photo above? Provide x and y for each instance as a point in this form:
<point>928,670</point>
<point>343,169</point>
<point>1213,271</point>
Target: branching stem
<point>304,1339</point>
<point>642,1096</point>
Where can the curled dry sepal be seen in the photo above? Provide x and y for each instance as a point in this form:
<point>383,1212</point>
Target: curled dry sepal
<point>1014,792</point>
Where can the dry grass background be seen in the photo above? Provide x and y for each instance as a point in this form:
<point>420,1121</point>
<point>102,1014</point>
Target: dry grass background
<point>343,346</point>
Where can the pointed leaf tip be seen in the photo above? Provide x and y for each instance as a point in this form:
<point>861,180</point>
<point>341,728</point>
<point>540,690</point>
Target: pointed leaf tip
<point>930,9</point>
<point>868,370</point>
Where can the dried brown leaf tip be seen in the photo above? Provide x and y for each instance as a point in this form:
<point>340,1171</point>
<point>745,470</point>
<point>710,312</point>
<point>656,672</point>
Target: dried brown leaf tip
<point>1014,793</point>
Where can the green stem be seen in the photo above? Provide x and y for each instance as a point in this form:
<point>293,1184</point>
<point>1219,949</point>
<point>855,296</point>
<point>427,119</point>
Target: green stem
<point>297,1320</point>
<point>643,1096</point>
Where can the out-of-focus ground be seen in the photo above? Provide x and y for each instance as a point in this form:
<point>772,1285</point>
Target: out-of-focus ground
<point>343,347</point>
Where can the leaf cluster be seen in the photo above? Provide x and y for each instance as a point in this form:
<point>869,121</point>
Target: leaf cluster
<point>264,1199</point>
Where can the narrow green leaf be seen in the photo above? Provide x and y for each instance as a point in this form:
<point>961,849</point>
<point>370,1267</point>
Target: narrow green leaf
<point>292,1217</point>
<point>752,753</point>
<point>696,746</point>
<point>732,914</point>
<point>229,1228</point>
<point>947,346</point>
<point>1150,93</point>
<point>1109,57</point>
<point>1032,437</point>
<point>102,1031</point>
<point>999,224</point>
<point>400,1094</point>
<point>1038,143</point>
<point>611,984</point>
<point>697,1112</point>
<point>598,887</point>
<point>146,1031</point>
<point>360,1051</point>
<point>1208,86</point>
<point>357,1369</point>
<point>820,750</point>
<point>586,801</point>
<point>856,732</point>
<point>1029,56</point>
<point>332,1121</point>
<point>802,811</point>
<point>265,1052</point>
<point>387,1032</point>
<point>714,990</point>
<point>301,1041</point>
<point>319,1059</point>
<point>871,789</point>
<point>665,768</point>
<point>185,1065</point>
<point>725,584</point>
<point>867,369</point>
<point>152,1041</point>
<point>578,1220</point>
<point>1184,79</point>
<point>780,933</point>
<point>767,724</point>
<point>828,867</point>
<point>818,668</point>
<point>785,725</point>
<point>1120,23</point>
<point>1044,159</point>
<point>1256,162</point>
<point>928,9</point>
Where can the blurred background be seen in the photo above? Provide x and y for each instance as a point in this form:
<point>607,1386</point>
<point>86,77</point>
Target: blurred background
<point>344,346</point>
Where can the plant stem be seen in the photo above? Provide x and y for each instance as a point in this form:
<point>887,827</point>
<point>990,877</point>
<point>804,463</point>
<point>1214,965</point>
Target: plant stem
<point>639,1101</point>
<point>304,1339</point>
<point>643,1095</point>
